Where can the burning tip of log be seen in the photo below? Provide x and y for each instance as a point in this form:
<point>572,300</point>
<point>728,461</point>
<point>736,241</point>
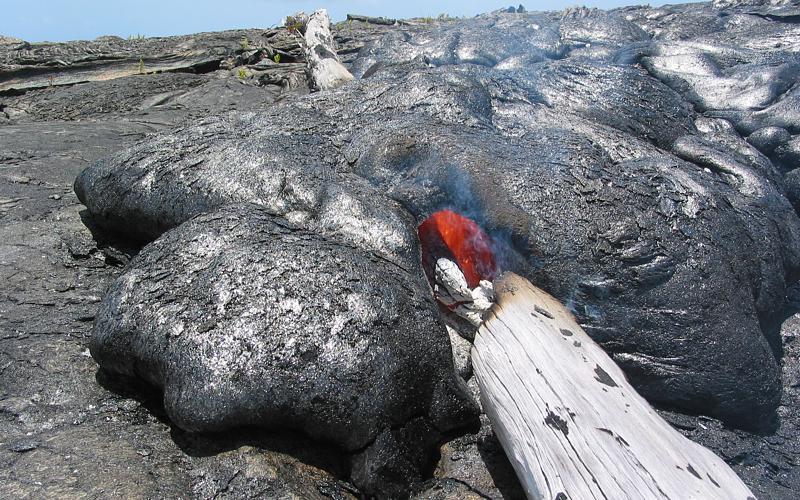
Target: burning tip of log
<point>459,261</point>
<point>451,283</point>
<point>451,289</point>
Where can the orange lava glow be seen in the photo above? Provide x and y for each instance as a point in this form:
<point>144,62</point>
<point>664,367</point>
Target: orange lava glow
<point>451,235</point>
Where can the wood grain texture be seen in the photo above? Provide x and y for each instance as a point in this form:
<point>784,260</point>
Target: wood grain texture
<point>569,421</point>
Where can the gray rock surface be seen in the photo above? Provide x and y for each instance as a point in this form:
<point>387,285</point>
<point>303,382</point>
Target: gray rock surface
<point>637,187</point>
<point>27,66</point>
<point>792,182</point>
<point>187,175</point>
<point>61,432</point>
<point>243,319</point>
<point>650,200</point>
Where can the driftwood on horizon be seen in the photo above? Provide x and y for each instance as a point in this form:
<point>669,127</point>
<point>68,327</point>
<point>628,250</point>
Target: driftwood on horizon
<point>375,20</point>
<point>569,421</point>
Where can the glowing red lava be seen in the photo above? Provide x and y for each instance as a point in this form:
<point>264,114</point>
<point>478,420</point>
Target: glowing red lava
<point>451,235</point>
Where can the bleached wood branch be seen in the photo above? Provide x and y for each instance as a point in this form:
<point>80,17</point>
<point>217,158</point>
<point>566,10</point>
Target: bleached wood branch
<point>324,68</point>
<point>569,421</point>
<point>375,20</point>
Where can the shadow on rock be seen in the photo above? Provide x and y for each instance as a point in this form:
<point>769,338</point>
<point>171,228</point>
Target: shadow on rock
<point>117,249</point>
<point>315,453</point>
<point>505,479</point>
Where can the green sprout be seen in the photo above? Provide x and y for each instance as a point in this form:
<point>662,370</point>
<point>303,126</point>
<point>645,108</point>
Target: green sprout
<point>242,73</point>
<point>245,44</point>
<point>277,58</point>
<point>294,24</point>
<point>141,67</point>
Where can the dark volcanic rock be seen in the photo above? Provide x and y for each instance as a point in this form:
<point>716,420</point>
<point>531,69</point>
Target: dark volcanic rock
<point>112,439</point>
<point>569,159</point>
<point>185,175</point>
<point>603,150</point>
<point>246,320</point>
<point>26,66</point>
<point>506,40</point>
<point>793,188</point>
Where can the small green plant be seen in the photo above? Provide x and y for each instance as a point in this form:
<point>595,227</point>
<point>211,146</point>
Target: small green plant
<point>294,24</point>
<point>141,67</point>
<point>242,74</point>
<point>427,20</point>
<point>245,44</point>
<point>277,58</point>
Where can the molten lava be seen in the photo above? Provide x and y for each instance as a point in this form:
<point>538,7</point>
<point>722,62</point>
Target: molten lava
<point>451,235</point>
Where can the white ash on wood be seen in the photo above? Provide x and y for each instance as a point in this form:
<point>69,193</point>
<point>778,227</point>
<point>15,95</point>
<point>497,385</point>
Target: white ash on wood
<point>452,290</point>
<point>569,421</point>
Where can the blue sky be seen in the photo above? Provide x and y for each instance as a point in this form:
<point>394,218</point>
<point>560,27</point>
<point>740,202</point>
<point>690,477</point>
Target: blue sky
<point>58,20</point>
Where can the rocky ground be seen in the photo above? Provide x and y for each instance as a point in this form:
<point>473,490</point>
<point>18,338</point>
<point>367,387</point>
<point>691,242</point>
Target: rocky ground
<point>66,429</point>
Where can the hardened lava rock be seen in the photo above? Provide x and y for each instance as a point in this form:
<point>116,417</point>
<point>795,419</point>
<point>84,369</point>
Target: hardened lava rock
<point>160,183</point>
<point>666,232</point>
<point>638,164</point>
<point>245,319</point>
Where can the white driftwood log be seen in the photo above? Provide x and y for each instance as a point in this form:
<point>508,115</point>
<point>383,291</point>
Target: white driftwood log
<point>324,68</point>
<point>571,424</point>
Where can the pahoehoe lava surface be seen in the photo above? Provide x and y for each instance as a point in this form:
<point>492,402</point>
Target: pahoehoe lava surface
<point>245,320</point>
<point>638,164</point>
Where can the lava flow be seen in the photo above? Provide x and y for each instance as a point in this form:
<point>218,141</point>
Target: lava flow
<point>451,235</point>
